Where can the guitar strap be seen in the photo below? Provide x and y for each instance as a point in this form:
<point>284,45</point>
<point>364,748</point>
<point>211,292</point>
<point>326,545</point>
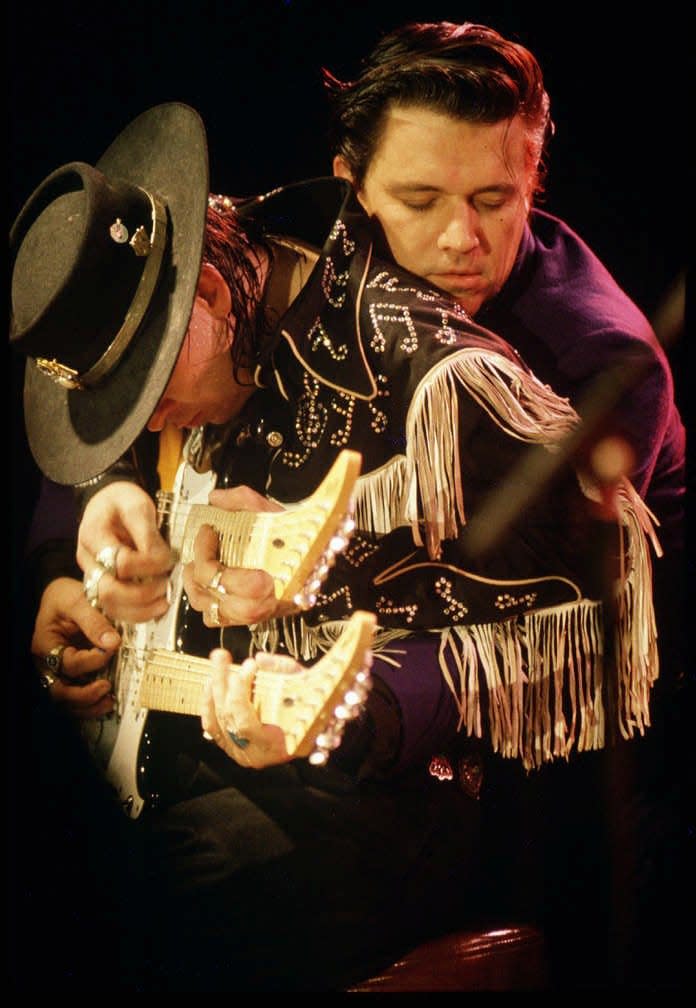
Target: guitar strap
<point>170,445</point>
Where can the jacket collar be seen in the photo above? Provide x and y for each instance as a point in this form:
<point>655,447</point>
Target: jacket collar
<point>322,326</point>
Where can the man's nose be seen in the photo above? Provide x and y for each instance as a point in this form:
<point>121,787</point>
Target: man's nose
<point>460,233</point>
<point>159,417</point>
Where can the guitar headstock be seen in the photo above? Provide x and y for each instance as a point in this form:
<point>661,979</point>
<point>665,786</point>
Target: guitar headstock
<point>325,520</point>
<point>297,546</point>
<point>312,706</point>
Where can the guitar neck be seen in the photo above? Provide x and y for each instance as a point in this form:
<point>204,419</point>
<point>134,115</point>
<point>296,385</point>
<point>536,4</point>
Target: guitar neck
<point>174,683</point>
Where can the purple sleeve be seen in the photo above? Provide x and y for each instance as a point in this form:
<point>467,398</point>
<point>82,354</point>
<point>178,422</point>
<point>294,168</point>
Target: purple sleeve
<point>429,715</point>
<point>55,515</point>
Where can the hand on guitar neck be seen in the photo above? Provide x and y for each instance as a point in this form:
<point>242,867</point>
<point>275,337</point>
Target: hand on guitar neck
<point>271,709</point>
<point>272,560</point>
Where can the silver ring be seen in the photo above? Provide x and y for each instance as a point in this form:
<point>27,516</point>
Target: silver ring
<point>90,585</point>
<point>106,558</point>
<point>47,680</point>
<point>214,583</point>
<point>214,614</point>
<point>54,660</point>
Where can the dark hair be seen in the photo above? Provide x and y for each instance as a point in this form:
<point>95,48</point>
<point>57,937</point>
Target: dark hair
<point>466,71</point>
<point>233,245</point>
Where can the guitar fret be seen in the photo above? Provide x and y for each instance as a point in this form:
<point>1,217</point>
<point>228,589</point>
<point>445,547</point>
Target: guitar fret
<point>174,685</point>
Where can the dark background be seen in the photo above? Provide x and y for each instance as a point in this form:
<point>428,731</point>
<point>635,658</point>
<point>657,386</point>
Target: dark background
<point>79,72</point>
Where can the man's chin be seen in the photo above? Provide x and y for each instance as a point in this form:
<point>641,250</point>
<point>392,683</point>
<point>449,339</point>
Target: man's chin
<point>469,295</point>
<point>470,301</point>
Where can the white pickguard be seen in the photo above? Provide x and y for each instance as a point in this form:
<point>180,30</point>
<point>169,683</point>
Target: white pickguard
<point>116,740</point>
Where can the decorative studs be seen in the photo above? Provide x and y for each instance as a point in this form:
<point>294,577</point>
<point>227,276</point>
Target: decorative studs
<point>140,243</point>
<point>332,284</point>
<point>399,314</point>
<point>508,601</point>
<point>119,232</point>
<point>455,609</point>
<point>318,337</point>
<point>441,768</point>
<point>386,607</point>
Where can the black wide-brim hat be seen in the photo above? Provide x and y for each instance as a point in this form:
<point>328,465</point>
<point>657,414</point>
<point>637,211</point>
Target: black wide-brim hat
<point>105,263</point>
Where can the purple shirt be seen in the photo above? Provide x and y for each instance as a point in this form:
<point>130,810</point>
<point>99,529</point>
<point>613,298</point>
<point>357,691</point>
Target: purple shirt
<point>571,323</point>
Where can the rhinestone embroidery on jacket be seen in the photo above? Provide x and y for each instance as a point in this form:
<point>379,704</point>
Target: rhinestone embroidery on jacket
<point>332,282</point>
<point>384,281</point>
<point>386,607</point>
<point>358,550</point>
<point>455,609</point>
<point>398,314</point>
<point>379,421</point>
<point>507,601</point>
<point>339,230</point>
<point>318,337</point>
<point>344,405</point>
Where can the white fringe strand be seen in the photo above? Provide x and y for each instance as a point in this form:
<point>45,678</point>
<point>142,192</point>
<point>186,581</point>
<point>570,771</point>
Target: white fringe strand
<point>517,402</point>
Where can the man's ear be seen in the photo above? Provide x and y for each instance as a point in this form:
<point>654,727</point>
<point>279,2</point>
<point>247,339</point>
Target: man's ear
<point>341,169</point>
<point>212,287</point>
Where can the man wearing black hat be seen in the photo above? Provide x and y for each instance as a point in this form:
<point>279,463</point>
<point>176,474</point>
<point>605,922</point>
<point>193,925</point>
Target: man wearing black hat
<point>314,346</point>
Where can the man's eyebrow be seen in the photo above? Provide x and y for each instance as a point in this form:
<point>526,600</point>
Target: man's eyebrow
<point>413,188</point>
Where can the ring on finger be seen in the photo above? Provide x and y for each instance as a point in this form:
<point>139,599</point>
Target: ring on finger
<point>54,660</point>
<point>212,738</point>
<point>214,584</point>
<point>47,680</point>
<point>107,557</point>
<point>214,614</point>
<point>90,585</point>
